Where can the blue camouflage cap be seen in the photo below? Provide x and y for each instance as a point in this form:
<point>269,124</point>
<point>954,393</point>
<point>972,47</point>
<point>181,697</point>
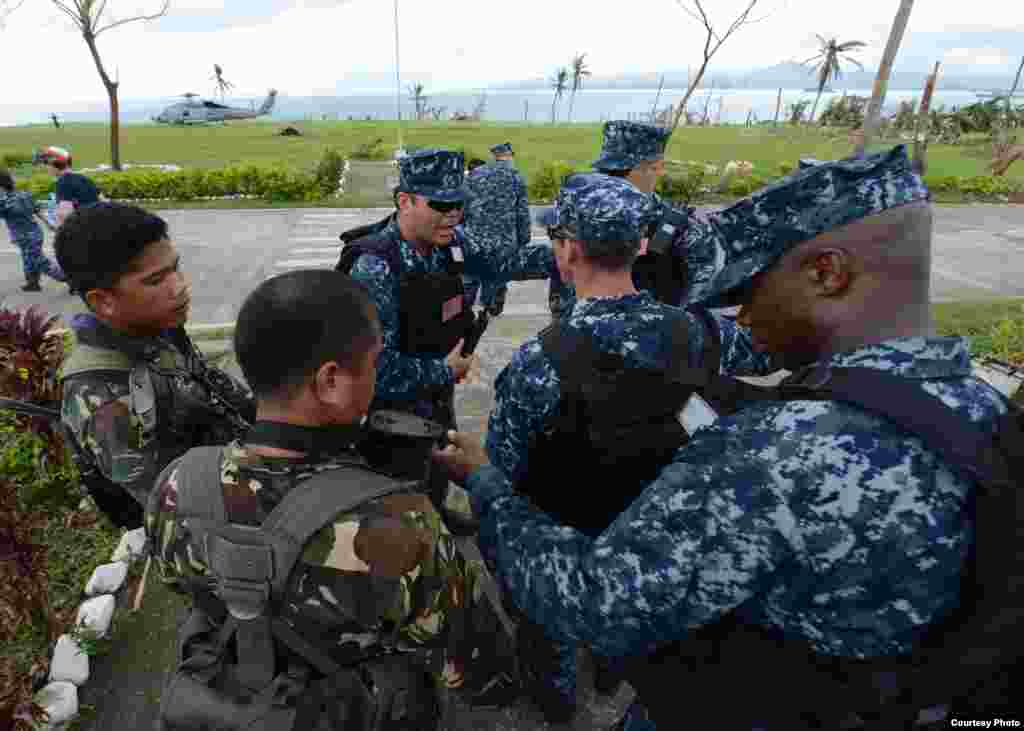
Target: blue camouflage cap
<point>505,148</point>
<point>756,231</point>
<point>602,208</point>
<point>627,144</point>
<point>436,174</point>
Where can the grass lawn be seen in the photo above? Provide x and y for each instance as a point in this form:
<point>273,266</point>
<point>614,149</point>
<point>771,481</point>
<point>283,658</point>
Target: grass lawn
<point>577,144</point>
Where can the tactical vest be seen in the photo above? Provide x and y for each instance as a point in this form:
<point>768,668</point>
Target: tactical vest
<point>619,425</point>
<point>176,408</point>
<point>240,665</point>
<point>972,660</point>
<point>432,313</point>
<point>658,271</point>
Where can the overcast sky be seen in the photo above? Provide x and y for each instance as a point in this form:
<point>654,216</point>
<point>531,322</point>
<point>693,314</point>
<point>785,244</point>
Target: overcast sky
<point>327,47</point>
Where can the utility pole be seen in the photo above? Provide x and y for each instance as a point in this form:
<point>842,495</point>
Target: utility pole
<point>899,25</point>
<point>398,82</point>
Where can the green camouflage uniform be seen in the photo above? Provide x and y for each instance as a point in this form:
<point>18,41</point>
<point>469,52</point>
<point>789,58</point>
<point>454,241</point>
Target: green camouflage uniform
<point>96,408</point>
<point>385,574</point>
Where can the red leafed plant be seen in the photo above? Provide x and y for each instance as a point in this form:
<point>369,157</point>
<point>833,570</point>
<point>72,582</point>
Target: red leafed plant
<point>24,599</point>
<point>30,357</point>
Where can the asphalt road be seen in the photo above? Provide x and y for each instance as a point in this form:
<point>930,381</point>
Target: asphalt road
<point>978,254</point>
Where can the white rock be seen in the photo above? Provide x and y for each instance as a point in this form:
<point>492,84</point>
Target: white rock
<point>97,613</point>
<point>69,662</point>
<point>60,701</point>
<point>107,579</point>
<point>132,544</point>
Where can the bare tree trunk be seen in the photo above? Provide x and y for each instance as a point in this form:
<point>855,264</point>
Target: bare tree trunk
<point>920,163</point>
<point>815,107</point>
<point>778,108</point>
<point>572,100</point>
<point>111,87</point>
<point>553,103</point>
<point>115,128</point>
<point>892,47</point>
<point>657,98</point>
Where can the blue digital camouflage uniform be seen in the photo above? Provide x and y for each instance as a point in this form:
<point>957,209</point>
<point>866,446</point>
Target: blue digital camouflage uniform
<point>17,209</point>
<point>624,146</point>
<point>401,377</point>
<point>635,326</point>
<point>861,516</point>
<point>497,211</point>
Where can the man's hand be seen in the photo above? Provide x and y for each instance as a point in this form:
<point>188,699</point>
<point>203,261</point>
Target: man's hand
<point>462,457</point>
<point>460,365</point>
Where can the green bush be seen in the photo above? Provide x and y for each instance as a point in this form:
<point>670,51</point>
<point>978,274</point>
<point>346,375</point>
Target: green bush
<point>15,159</point>
<point>266,182</point>
<point>329,173</point>
<point>544,186</point>
<point>685,183</point>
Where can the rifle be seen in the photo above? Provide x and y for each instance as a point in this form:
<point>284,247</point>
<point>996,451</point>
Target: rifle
<point>431,434</point>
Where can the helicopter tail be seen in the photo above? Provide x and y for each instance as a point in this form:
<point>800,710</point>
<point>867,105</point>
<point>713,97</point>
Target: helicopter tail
<point>268,103</point>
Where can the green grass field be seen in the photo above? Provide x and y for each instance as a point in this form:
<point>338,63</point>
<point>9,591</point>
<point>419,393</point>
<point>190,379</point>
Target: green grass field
<point>578,144</point>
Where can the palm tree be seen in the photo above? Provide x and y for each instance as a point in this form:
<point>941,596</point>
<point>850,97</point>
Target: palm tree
<point>558,83</point>
<point>223,85</point>
<point>579,72</point>
<point>830,52</point>
<point>417,97</point>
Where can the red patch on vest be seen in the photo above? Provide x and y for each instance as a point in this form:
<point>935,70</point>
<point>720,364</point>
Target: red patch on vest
<point>451,308</point>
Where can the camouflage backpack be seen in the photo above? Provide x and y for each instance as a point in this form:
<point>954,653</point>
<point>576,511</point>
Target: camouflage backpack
<point>240,665</point>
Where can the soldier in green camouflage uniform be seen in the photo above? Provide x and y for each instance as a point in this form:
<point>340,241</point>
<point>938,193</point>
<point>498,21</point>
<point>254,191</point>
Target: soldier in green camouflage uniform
<point>121,259</point>
<point>386,574</point>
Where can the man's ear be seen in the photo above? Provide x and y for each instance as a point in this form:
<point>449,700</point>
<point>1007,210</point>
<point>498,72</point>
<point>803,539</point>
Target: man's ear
<point>332,383</point>
<point>102,302</point>
<point>829,271</point>
<point>574,252</point>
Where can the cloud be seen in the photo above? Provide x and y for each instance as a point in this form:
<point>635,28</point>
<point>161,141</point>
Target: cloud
<point>337,46</point>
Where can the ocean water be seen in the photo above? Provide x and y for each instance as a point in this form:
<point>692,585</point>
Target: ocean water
<point>727,105</point>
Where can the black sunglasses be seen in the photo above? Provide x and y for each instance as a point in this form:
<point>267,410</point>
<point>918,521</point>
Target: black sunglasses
<point>446,206</point>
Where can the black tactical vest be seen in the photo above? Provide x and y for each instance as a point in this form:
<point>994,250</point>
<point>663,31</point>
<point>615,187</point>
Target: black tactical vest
<point>617,426</point>
<point>177,406</point>
<point>658,271</point>
<point>432,313</point>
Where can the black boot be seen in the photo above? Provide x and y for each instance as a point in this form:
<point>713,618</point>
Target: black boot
<point>32,283</point>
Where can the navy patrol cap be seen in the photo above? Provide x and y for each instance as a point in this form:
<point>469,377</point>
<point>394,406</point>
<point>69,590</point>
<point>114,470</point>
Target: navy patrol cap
<point>505,148</point>
<point>435,174</point>
<point>753,233</point>
<point>604,208</point>
<point>627,144</point>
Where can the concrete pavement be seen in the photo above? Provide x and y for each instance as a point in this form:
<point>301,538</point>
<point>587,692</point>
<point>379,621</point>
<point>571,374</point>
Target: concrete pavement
<point>978,254</point>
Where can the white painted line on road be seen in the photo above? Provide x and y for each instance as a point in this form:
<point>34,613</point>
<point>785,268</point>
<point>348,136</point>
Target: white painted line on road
<point>313,239</point>
<point>965,280</point>
<point>299,263</point>
<point>317,250</point>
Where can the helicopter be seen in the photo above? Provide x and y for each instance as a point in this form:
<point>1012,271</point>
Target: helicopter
<point>192,111</point>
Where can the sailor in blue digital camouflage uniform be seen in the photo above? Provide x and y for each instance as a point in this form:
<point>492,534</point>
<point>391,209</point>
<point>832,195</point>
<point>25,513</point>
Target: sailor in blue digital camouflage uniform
<point>413,270</point>
<point>814,522</point>
<point>597,228</point>
<point>498,209</point>
<point>635,152</point>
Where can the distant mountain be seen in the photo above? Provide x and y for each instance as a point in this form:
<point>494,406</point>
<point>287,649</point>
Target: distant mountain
<point>787,75</point>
